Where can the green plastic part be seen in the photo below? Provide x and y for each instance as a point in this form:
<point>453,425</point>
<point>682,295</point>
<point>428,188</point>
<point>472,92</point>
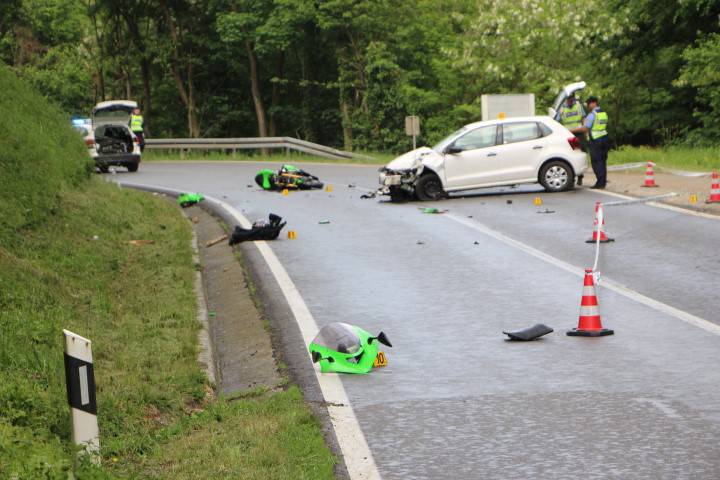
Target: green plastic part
<point>289,168</point>
<point>266,174</point>
<point>187,199</point>
<point>360,349</point>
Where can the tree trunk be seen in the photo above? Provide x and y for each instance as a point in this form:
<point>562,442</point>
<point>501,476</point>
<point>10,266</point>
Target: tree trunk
<point>255,90</point>
<point>275,95</point>
<point>186,94</point>
<point>346,124</point>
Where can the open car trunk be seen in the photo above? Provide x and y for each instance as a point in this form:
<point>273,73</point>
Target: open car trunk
<point>113,140</point>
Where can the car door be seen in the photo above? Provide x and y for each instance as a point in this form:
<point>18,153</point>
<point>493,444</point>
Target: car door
<point>469,156</point>
<point>518,152</point>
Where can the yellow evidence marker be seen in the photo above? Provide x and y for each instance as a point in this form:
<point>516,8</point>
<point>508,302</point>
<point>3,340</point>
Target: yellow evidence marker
<point>693,199</point>
<point>328,188</point>
<point>292,235</point>
<point>537,201</point>
<point>380,360</point>
<point>285,192</point>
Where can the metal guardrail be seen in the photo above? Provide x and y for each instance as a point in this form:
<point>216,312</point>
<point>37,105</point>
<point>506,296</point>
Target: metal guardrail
<point>234,144</point>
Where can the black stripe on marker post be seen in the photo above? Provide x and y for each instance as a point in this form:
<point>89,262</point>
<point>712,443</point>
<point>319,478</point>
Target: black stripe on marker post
<point>80,381</point>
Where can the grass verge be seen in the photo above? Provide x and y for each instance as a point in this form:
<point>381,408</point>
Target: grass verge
<point>681,158</point>
<point>78,271</point>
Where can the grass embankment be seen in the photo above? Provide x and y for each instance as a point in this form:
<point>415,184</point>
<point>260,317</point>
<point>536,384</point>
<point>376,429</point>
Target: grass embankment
<point>680,158</point>
<point>65,262</point>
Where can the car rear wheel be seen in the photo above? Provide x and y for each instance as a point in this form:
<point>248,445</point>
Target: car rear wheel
<point>133,167</point>
<point>557,176</point>
<point>429,188</point>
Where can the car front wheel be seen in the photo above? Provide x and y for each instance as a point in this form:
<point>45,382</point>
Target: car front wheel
<point>557,176</point>
<point>429,188</point>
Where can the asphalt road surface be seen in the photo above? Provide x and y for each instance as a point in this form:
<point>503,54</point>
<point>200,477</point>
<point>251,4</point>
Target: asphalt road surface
<point>459,401</point>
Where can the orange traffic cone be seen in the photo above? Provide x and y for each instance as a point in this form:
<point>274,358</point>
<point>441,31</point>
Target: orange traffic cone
<point>650,176</point>
<point>589,324</point>
<point>603,238</point>
<point>714,190</point>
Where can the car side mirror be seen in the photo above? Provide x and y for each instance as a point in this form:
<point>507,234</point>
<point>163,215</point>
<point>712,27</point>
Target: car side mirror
<point>452,149</point>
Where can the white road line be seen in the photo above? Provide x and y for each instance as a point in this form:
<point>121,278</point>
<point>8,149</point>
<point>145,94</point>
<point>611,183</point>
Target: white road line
<point>606,282</point>
<point>663,205</point>
<point>356,452</point>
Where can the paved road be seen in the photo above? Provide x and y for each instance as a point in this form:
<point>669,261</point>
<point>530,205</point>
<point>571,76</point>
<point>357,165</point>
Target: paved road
<point>457,400</point>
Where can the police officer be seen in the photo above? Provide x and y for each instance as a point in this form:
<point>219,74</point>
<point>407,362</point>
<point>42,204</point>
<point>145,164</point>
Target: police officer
<point>596,126</point>
<point>136,125</point>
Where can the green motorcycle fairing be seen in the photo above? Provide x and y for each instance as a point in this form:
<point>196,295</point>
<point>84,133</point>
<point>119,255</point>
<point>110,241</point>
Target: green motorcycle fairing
<point>263,178</point>
<point>343,348</point>
<point>188,199</point>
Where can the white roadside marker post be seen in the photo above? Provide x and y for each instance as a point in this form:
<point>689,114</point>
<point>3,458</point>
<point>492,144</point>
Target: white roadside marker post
<point>80,381</point>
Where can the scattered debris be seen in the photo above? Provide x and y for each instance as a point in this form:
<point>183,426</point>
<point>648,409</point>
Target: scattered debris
<point>546,211</point>
<point>215,241</point>
<point>432,210</point>
<point>249,186</point>
<point>286,178</point>
<point>141,242</point>
<point>351,186</point>
<point>469,216</point>
<point>476,243</point>
<point>95,237</point>
<point>420,242</point>
<point>508,202</point>
<point>324,222</point>
<point>188,199</point>
<point>530,333</point>
<point>211,313</point>
<point>261,230</point>
<point>195,220</point>
<point>368,195</point>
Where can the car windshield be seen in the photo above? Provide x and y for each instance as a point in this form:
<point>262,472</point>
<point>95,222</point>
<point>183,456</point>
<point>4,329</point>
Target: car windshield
<point>338,336</point>
<point>440,146</point>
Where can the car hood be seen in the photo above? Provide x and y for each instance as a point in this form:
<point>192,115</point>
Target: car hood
<point>414,158</point>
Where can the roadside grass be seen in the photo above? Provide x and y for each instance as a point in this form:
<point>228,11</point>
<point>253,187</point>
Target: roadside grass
<point>247,156</point>
<point>136,303</point>
<point>680,158</point>
<point>259,438</point>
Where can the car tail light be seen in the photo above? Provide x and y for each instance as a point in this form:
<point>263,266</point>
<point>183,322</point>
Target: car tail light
<point>574,143</point>
<point>90,142</point>
<point>137,140</point>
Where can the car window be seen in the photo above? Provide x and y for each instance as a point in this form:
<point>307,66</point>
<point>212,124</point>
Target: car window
<point>520,132</point>
<point>479,138</point>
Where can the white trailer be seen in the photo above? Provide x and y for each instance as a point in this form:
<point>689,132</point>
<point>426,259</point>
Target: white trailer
<point>508,105</point>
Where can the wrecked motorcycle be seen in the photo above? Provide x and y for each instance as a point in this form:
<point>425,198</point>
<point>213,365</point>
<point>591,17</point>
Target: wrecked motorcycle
<point>288,177</point>
<point>343,348</point>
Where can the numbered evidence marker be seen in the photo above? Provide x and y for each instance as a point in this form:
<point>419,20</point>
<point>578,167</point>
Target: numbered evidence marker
<point>693,199</point>
<point>537,201</point>
<point>380,360</point>
<point>80,381</point>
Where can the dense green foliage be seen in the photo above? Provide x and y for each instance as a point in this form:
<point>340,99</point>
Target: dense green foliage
<point>66,262</point>
<point>346,72</point>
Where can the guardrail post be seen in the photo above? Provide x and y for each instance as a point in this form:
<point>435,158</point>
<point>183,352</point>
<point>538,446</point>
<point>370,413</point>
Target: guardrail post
<point>80,382</point>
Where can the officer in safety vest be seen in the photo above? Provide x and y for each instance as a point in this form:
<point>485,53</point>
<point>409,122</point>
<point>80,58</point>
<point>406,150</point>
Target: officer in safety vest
<point>136,125</point>
<point>596,127</point>
<point>571,117</point>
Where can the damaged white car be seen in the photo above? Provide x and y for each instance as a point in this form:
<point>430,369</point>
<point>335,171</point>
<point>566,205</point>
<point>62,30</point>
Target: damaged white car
<point>493,153</point>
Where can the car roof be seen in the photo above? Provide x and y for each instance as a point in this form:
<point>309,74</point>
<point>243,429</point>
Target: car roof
<point>497,121</point>
<point>110,103</point>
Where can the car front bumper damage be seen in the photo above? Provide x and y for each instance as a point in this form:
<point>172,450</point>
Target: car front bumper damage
<point>394,182</point>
